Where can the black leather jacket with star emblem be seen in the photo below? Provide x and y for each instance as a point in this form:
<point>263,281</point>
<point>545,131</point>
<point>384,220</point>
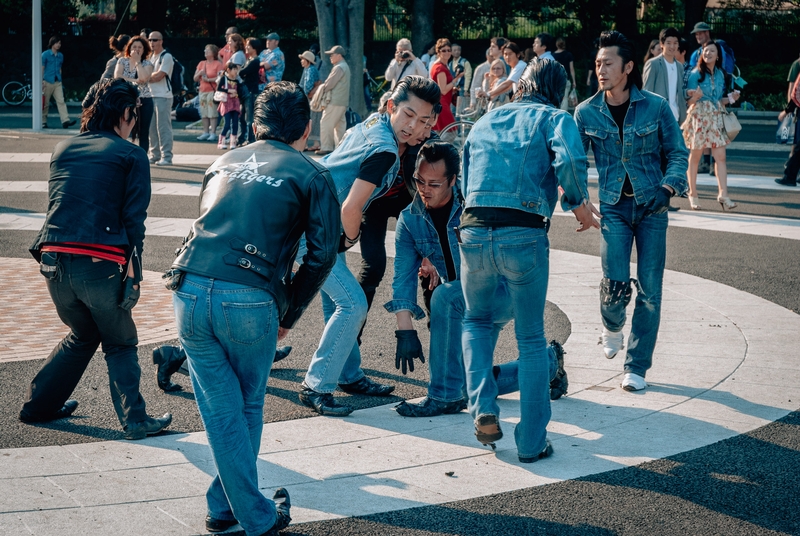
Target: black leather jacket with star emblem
<point>255,205</point>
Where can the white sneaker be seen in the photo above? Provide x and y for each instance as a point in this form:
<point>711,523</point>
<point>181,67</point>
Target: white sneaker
<point>633,382</point>
<point>612,343</point>
<point>204,136</point>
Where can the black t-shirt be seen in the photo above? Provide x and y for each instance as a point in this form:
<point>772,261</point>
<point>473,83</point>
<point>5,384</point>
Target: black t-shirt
<point>375,167</point>
<point>564,58</point>
<point>618,113</point>
<point>440,217</point>
<point>500,217</point>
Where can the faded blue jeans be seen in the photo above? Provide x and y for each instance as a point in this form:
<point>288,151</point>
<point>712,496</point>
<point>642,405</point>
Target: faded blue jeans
<point>229,332</point>
<point>445,358</point>
<point>517,257</point>
<point>622,225</point>
<point>344,306</point>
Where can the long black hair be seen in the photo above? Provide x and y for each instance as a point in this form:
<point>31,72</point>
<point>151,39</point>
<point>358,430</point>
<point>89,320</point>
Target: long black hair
<point>544,81</point>
<point>105,109</point>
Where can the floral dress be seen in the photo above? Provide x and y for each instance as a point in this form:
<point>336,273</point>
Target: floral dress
<point>703,127</point>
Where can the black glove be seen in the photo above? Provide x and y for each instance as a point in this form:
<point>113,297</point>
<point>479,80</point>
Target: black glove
<point>408,347</point>
<point>130,295</point>
<point>660,203</point>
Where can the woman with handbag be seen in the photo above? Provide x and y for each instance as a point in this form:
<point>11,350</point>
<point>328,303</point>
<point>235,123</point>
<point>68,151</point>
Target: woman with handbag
<point>206,75</point>
<point>704,126</point>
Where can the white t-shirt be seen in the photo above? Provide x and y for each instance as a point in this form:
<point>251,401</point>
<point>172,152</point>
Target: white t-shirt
<point>162,62</point>
<point>516,73</point>
<point>672,87</point>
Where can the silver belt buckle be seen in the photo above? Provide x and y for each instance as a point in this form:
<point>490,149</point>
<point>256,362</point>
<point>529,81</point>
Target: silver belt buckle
<point>244,263</point>
<point>251,249</point>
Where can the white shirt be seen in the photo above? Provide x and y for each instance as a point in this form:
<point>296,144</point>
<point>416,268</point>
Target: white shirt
<point>161,62</point>
<point>516,73</point>
<point>672,85</point>
<point>547,56</point>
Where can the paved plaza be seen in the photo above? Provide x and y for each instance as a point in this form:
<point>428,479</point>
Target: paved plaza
<point>712,446</point>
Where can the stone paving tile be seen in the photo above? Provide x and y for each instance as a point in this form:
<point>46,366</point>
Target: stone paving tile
<point>29,324</point>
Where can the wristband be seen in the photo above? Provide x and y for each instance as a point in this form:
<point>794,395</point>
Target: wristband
<point>351,241</point>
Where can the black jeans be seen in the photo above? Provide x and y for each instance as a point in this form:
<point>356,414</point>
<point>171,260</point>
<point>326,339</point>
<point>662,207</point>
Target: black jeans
<point>145,118</point>
<point>373,240</point>
<point>792,166</point>
<point>87,297</point>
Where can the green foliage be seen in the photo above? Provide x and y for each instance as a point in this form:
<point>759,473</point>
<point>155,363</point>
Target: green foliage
<point>765,78</point>
<point>768,102</point>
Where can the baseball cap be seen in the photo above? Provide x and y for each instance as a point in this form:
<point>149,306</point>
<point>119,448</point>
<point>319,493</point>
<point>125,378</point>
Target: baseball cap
<point>274,36</point>
<point>338,49</point>
<point>700,27</point>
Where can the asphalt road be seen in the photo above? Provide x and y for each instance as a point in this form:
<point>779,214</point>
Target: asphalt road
<point>744,485</point>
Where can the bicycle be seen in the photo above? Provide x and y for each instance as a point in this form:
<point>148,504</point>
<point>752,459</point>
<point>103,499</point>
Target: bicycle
<point>376,89</point>
<point>456,133</point>
<point>15,93</point>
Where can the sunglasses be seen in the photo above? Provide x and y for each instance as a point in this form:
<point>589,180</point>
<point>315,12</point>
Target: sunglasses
<point>422,184</point>
<point>152,40</point>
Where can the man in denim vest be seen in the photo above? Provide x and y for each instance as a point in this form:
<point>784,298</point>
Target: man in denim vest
<point>364,167</point>
<point>426,247</point>
<point>515,158</point>
<point>628,129</point>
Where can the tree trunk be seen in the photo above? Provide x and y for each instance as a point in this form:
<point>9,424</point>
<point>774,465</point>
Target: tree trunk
<point>422,25</point>
<point>695,11</point>
<point>341,22</point>
<point>370,8</point>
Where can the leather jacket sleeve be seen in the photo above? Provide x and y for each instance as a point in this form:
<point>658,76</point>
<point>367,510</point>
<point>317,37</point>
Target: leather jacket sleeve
<point>134,210</point>
<point>322,239</point>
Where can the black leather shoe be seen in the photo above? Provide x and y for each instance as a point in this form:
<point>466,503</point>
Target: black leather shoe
<point>67,124</point>
<point>430,408</point>
<point>282,504</point>
<point>169,360</point>
<point>219,525</point>
<point>282,353</point>
<point>66,410</point>
<point>323,403</point>
<point>785,181</point>
<point>149,426</point>
<point>365,386</point>
<point>547,452</point>
<point>559,384</point>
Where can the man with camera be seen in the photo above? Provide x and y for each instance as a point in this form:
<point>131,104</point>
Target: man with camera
<point>405,63</point>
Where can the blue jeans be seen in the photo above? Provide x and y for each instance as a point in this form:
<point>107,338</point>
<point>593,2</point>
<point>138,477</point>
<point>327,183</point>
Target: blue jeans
<point>445,358</point>
<point>344,306</point>
<point>517,257</point>
<point>621,225</point>
<point>229,332</point>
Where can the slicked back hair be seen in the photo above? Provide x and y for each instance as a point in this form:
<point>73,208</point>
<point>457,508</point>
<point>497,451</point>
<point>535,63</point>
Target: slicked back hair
<point>542,80</point>
<point>627,52</point>
<point>111,98</point>
<point>424,88</point>
<point>433,151</point>
<point>281,113</point>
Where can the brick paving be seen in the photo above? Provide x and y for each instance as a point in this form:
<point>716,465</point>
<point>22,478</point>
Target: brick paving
<point>29,324</point>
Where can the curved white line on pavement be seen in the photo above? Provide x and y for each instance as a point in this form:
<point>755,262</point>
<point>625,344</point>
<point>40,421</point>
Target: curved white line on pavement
<point>724,365</point>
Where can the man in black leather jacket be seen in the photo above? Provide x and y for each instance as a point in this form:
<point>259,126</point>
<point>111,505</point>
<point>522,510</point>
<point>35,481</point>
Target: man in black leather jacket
<point>238,296</point>
<point>90,251</point>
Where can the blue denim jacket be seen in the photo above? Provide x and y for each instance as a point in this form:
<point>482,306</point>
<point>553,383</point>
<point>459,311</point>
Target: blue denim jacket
<point>417,239</point>
<point>649,127</point>
<point>375,135</point>
<point>516,155</point>
<point>713,87</point>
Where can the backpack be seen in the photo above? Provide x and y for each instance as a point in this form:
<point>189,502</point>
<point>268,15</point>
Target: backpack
<point>728,57</point>
<point>175,80</point>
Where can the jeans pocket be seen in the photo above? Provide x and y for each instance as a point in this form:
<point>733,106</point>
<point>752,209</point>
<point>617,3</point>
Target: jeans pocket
<point>102,288</point>
<point>184,312</point>
<point>472,255</point>
<point>247,323</point>
<point>518,259</point>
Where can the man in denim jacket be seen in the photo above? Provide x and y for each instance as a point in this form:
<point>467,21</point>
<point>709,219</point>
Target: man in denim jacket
<point>364,167</point>
<point>627,129</point>
<point>426,246</point>
<point>514,160</point>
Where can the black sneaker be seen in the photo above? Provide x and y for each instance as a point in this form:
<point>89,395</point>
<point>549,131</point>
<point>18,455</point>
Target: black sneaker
<point>66,410</point>
<point>149,426</point>
<point>367,387</point>
<point>785,181</point>
<point>559,383</point>
<point>219,525</point>
<point>323,403</point>
<point>547,452</point>
<point>430,408</point>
